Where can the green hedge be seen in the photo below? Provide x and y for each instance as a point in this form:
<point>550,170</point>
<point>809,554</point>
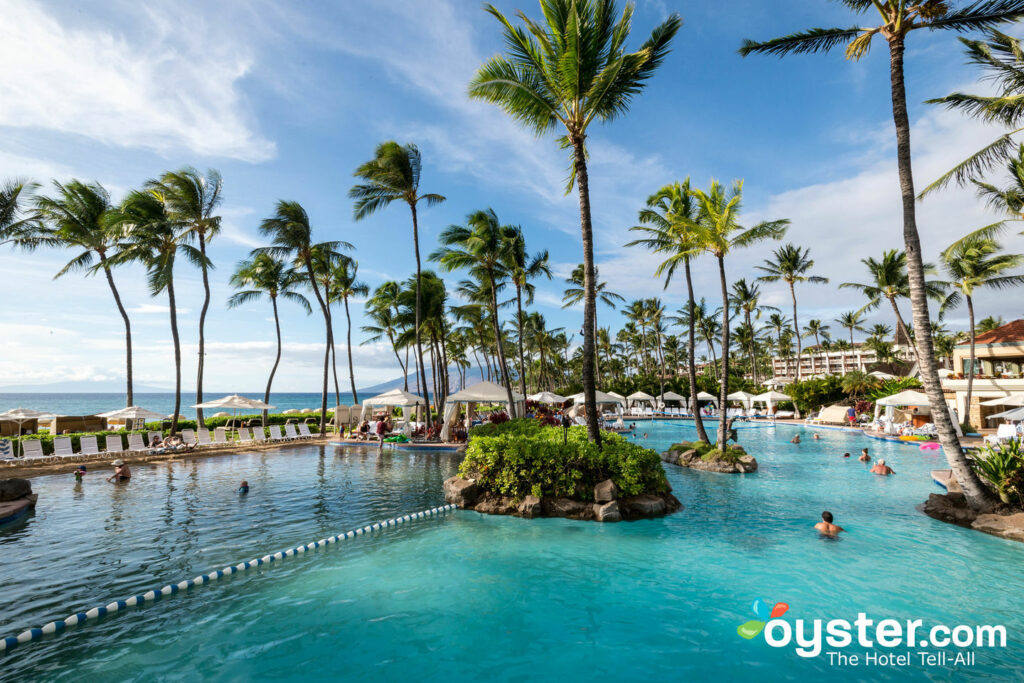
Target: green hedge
<point>516,459</point>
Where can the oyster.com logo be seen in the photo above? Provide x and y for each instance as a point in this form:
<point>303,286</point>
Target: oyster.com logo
<point>764,613</point>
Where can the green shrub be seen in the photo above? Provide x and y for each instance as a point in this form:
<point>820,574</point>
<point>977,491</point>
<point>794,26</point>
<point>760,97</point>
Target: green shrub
<point>521,460</point>
<point>1002,466</point>
<point>521,426</point>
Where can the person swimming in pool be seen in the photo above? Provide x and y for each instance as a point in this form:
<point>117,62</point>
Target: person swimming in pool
<point>122,474</point>
<point>80,472</point>
<point>846,455</point>
<point>864,457</point>
<point>816,436</point>
<point>795,439</point>
<point>882,469</point>
<point>243,487</point>
<point>826,527</point>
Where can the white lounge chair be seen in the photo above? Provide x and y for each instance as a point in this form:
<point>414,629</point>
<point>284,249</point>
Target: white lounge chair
<point>290,433</point>
<point>136,444</point>
<point>244,436</point>
<point>203,437</point>
<point>188,437</point>
<point>275,433</point>
<point>114,444</point>
<point>1004,433</point>
<point>62,447</point>
<point>220,436</point>
<point>6,451</point>
<point>88,446</point>
<point>258,435</point>
<point>32,449</point>
<point>305,433</point>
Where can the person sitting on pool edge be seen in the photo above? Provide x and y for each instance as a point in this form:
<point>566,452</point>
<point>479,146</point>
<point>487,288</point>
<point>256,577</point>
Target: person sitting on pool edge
<point>864,457</point>
<point>883,469</point>
<point>825,526</point>
<point>121,472</point>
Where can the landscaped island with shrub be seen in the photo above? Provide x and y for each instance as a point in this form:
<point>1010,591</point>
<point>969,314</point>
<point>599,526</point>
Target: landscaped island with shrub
<point>700,455</point>
<point>525,468</point>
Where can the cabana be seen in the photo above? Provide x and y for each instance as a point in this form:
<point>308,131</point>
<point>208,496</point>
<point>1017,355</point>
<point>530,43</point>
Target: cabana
<point>600,398</point>
<point>23,416</point>
<point>236,403</point>
<point>770,398</point>
<point>746,398</point>
<point>481,392</point>
<point>639,397</point>
<point>622,399</point>
<point>911,399</point>
<point>396,398</point>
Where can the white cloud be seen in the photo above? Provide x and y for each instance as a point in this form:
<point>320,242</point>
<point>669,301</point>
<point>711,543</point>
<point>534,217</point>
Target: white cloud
<point>147,309</point>
<point>166,83</point>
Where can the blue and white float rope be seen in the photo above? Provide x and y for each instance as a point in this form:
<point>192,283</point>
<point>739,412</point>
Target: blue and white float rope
<point>60,625</point>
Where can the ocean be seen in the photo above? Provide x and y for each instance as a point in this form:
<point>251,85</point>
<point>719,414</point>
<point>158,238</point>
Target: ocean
<point>91,404</point>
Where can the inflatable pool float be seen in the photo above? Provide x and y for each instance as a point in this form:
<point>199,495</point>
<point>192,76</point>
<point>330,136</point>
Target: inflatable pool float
<point>930,446</point>
<point>401,438</point>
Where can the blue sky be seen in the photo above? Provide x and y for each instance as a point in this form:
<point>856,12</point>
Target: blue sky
<point>286,99</point>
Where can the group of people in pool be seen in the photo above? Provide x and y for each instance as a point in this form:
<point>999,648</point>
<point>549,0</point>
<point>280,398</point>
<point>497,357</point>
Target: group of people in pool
<point>878,468</point>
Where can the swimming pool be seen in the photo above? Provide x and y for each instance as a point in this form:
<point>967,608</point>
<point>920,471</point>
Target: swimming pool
<point>467,596</point>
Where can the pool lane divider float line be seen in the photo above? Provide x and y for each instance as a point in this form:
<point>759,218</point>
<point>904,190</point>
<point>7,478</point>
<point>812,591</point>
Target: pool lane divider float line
<point>61,625</point>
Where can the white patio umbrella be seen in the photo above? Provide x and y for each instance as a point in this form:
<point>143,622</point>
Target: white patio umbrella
<point>23,415</point>
<point>131,414</point>
<point>622,399</point>
<point>222,414</point>
<point>1011,400</point>
<point>743,397</point>
<point>547,397</point>
<point>236,403</point>
<point>1015,415</point>
<point>640,397</point>
<point>599,397</point>
<point>882,375</point>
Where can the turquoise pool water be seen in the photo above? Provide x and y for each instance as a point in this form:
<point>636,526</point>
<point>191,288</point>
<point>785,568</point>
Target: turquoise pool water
<point>471,597</point>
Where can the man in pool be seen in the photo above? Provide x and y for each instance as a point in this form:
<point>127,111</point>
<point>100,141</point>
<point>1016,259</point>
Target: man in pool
<point>826,527</point>
<point>795,439</point>
<point>882,469</point>
<point>122,474</point>
<point>864,457</point>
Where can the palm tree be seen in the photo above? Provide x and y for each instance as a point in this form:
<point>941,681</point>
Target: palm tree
<point>78,216</point>
<point>154,238</point>
<point>346,286</point>
<point>972,265</point>
<point>990,323</point>
<point>481,247</point>
<point>722,233</point>
<point>192,199</point>
<point>815,328</point>
<point>521,269</point>
<point>670,221</point>
<point>567,72</point>
<point>747,298</point>
<point>291,237</point>
<point>791,265</point>
<point>260,276</point>
<point>890,282</point>
<point>898,19</point>
<point>575,293</point>
<point>851,320</point>
<point>325,260</point>
<point>778,324</point>
<point>15,225</point>
<point>857,383</point>
<point>384,310</point>
<point>394,174</point>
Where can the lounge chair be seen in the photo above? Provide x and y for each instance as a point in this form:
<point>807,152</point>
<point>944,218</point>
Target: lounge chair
<point>244,436</point>
<point>6,451</point>
<point>1004,434</point>
<point>290,433</point>
<point>114,444</point>
<point>88,446</point>
<point>220,436</point>
<point>188,437</point>
<point>304,431</point>
<point>258,435</point>
<point>136,444</point>
<point>32,449</point>
<point>154,435</point>
<point>203,437</point>
<point>275,433</point>
<point>62,447</point>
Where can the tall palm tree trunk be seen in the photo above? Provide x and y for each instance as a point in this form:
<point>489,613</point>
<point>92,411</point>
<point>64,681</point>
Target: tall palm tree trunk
<point>348,342</point>
<point>966,419</point>
<point>334,371</point>
<point>723,387</point>
<point>419,308</point>
<point>589,293</point>
<point>691,367</point>
<point>202,328</point>
<point>500,347</point>
<point>519,323</point>
<point>975,492</point>
<point>329,343</point>
<point>796,334</point>
<point>130,397</point>
<point>398,357</point>
<point>277,359</point>
<point>173,305</point>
